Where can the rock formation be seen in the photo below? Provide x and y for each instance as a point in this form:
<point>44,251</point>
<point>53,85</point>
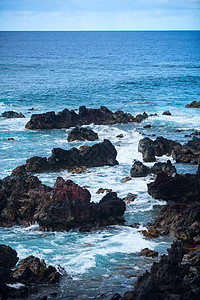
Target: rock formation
<point>82,134</point>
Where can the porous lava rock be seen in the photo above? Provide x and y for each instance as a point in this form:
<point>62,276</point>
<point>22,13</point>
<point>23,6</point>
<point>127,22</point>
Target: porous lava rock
<point>85,116</point>
<point>82,134</point>
<point>12,114</point>
<point>71,208</point>
<point>140,170</point>
<point>102,154</point>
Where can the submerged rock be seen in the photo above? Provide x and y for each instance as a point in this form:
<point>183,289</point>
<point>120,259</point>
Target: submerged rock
<point>194,104</point>
<point>167,113</point>
<point>82,134</point>
<point>86,116</point>
<point>102,154</point>
<point>12,114</point>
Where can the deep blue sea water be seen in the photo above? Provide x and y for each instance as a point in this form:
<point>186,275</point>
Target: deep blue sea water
<point>131,71</point>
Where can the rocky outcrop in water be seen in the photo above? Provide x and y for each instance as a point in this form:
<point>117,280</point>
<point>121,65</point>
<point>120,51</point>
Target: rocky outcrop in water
<point>12,114</point>
<point>71,208</point>
<point>30,271</point>
<point>186,153</point>
<point>24,200</point>
<point>82,134</point>
<point>102,154</point>
<point>85,116</point>
<point>194,104</point>
<point>140,170</point>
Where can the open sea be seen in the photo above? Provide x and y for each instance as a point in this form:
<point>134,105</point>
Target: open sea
<point>129,71</point>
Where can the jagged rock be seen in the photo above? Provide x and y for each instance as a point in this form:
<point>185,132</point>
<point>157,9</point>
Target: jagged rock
<point>159,147</point>
<point>12,114</point>
<point>167,113</point>
<point>120,135</point>
<point>21,197</point>
<point>8,260</point>
<point>148,253</point>
<point>82,134</point>
<point>102,154</point>
<point>147,126</point>
<point>71,208</point>
<point>101,191</point>
<point>140,170</point>
<point>188,152</point>
<point>129,198</point>
<point>32,270</point>
<point>194,104</point>
<point>67,119</point>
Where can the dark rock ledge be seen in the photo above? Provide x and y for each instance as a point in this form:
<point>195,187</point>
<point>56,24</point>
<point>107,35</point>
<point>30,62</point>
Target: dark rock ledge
<point>101,154</point>
<point>138,169</point>
<point>82,134</point>
<point>30,272</point>
<point>186,153</point>
<point>194,104</point>
<point>85,116</point>
<point>12,114</point>
<point>176,276</point>
<point>25,200</point>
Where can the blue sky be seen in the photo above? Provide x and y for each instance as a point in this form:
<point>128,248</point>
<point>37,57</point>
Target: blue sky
<point>99,14</point>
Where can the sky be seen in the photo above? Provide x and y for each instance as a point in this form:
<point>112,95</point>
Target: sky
<point>53,15</point>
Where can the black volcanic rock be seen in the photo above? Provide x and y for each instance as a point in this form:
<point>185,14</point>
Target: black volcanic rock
<point>67,119</point>
<point>12,114</point>
<point>82,134</point>
<point>140,170</point>
<point>102,154</point>
<point>194,104</point>
<point>71,208</point>
<point>188,152</point>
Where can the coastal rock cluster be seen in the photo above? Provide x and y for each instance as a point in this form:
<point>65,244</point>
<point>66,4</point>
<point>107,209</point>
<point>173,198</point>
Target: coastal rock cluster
<point>66,206</point>
<point>29,272</point>
<point>102,154</point>
<point>140,170</point>
<point>193,104</point>
<point>85,116</point>
<point>186,153</point>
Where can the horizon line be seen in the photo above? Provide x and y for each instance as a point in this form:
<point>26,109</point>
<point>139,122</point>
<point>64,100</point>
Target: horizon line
<point>101,30</point>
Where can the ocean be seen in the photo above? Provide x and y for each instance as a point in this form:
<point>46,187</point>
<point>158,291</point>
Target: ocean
<point>130,71</point>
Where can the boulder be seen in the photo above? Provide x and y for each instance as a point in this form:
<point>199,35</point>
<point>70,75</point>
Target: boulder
<point>82,134</point>
<point>7,262</point>
<point>140,170</point>
<point>85,116</point>
<point>12,114</point>
<point>194,104</point>
<point>129,198</point>
<point>188,152</point>
<point>148,253</point>
<point>125,179</point>
<point>71,209</point>
<point>167,113</point>
<point>102,154</point>
<point>32,270</point>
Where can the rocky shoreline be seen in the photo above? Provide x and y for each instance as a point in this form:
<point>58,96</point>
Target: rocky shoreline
<point>66,206</point>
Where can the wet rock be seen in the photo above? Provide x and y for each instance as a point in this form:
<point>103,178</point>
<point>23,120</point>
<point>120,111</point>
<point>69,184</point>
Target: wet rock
<point>188,152</point>
<point>71,208</point>
<point>152,233</point>
<point>33,270</point>
<point>120,135</point>
<point>101,191</point>
<point>147,126</point>
<point>7,262</point>
<point>85,116</point>
<point>22,196</point>
<point>125,179</point>
<point>10,139</point>
<point>82,134</point>
<point>167,113</point>
<point>116,296</point>
<point>159,147</point>
<point>12,114</point>
<point>148,253</point>
<point>139,170</point>
<point>194,104</point>
<point>129,198</point>
<point>102,154</point>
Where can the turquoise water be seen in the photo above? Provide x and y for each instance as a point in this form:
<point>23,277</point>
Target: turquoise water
<point>131,71</point>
